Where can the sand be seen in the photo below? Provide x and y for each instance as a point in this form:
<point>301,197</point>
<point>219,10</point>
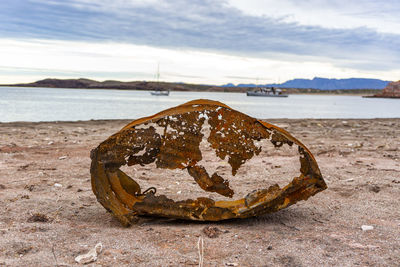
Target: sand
<point>49,214</point>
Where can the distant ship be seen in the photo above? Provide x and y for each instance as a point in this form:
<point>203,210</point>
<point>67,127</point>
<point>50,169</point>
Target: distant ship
<point>158,91</point>
<point>266,91</point>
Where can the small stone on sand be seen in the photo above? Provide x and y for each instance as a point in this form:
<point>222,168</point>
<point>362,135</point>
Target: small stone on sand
<point>367,227</point>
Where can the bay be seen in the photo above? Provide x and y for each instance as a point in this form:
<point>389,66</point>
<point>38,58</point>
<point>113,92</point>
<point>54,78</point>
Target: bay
<point>57,104</point>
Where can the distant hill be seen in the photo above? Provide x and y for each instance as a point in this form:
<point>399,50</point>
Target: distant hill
<point>327,84</point>
<point>134,85</point>
<point>290,88</point>
<point>390,91</point>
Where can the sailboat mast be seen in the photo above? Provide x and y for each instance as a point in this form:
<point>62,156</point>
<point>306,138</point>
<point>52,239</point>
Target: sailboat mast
<point>158,72</point>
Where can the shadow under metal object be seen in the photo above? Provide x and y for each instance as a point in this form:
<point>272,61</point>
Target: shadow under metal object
<point>171,139</point>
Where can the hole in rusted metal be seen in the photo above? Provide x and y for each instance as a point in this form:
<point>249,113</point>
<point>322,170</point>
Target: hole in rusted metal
<point>202,144</point>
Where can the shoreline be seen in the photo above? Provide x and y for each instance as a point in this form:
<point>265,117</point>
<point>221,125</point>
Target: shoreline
<point>215,89</point>
<point>390,97</point>
<point>45,170</point>
<point>96,121</point>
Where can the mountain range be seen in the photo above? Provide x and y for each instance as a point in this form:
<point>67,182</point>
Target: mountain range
<point>293,86</point>
<point>324,84</point>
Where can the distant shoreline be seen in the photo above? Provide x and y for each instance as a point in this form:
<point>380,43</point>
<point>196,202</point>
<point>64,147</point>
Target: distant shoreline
<point>368,93</point>
<point>150,86</point>
<point>93,122</point>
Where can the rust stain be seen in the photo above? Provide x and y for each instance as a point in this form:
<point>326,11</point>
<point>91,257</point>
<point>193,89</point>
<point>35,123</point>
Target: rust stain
<point>171,139</point>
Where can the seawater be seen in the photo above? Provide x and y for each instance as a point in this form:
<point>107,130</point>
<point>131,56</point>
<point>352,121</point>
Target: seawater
<point>56,104</point>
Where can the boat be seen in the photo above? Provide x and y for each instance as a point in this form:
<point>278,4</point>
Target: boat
<point>160,92</point>
<point>267,91</point>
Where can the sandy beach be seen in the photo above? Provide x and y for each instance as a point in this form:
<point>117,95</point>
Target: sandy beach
<point>50,214</point>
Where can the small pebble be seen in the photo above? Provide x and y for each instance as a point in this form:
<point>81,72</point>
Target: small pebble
<point>62,157</point>
<point>57,185</point>
<point>211,231</point>
<point>374,188</point>
<point>38,217</point>
<point>367,227</point>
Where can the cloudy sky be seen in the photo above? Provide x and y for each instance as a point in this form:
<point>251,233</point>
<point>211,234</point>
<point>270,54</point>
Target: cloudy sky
<point>199,41</point>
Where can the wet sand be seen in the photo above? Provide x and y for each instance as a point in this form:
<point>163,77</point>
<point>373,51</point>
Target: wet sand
<point>50,214</point>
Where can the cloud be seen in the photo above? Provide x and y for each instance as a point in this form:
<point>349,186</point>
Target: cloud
<point>212,26</point>
<point>30,60</point>
<point>337,14</point>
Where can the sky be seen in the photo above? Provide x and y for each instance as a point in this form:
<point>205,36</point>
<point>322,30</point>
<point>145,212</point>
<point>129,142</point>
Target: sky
<point>199,41</point>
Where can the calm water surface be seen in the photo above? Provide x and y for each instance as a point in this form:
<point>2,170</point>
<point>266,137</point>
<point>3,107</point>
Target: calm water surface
<point>49,104</point>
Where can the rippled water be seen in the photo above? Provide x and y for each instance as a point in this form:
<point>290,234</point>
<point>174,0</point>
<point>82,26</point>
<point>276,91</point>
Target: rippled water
<point>50,104</point>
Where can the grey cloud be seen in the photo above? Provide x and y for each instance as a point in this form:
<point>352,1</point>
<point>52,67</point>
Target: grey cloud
<point>5,70</point>
<point>198,24</point>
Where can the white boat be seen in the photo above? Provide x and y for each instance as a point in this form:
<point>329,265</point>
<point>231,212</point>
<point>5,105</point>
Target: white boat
<point>160,93</point>
<point>269,92</point>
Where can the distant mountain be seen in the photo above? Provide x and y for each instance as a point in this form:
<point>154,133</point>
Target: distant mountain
<point>327,84</point>
<point>133,85</point>
<point>297,86</point>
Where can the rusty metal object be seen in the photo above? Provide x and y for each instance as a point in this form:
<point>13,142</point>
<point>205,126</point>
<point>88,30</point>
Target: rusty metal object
<point>171,139</point>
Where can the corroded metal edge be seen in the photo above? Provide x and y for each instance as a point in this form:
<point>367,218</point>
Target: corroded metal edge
<point>121,195</point>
